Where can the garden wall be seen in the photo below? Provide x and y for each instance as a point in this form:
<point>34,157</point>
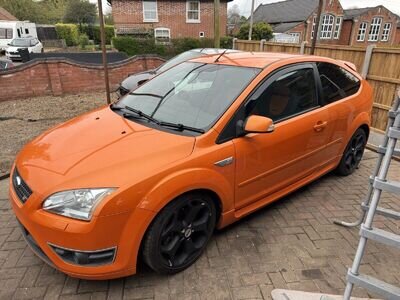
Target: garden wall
<point>57,76</point>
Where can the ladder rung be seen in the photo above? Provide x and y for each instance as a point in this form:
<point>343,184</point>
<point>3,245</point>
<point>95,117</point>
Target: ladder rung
<point>383,212</point>
<point>382,150</point>
<point>394,133</point>
<point>381,236</point>
<point>372,284</point>
<point>388,186</point>
<point>393,113</point>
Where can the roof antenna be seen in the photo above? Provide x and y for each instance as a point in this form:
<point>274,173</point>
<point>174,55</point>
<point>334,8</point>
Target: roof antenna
<point>217,59</point>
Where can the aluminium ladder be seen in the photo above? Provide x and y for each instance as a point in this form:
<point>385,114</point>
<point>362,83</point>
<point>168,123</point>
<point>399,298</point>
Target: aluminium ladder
<point>378,183</point>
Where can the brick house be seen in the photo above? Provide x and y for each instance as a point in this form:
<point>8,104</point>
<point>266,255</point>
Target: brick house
<point>6,16</point>
<point>168,19</point>
<point>355,27</point>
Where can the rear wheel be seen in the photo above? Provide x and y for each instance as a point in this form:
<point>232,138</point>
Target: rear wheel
<point>353,153</point>
<point>179,234</point>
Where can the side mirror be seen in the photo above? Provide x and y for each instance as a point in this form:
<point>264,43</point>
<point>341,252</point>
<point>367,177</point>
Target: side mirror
<point>258,124</point>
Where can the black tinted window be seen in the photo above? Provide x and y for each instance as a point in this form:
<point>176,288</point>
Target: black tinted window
<point>290,94</point>
<point>337,83</point>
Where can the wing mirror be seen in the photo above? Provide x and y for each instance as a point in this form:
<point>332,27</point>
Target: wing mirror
<point>258,124</point>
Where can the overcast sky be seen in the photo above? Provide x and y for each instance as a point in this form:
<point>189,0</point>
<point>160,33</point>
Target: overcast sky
<point>393,5</point>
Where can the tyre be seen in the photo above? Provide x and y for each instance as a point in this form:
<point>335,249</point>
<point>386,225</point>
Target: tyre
<point>353,153</point>
<point>179,233</point>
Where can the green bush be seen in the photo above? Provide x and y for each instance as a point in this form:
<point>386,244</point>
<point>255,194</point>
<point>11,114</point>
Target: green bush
<point>83,40</point>
<point>132,46</point>
<point>93,32</point>
<point>137,46</point>
<point>226,42</point>
<point>68,32</point>
<point>261,30</point>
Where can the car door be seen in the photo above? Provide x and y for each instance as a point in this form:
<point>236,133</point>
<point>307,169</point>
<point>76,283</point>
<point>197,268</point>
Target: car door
<point>338,88</point>
<point>269,162</point>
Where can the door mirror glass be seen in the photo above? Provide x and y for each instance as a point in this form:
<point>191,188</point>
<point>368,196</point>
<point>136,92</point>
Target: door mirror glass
<point>258,124</point>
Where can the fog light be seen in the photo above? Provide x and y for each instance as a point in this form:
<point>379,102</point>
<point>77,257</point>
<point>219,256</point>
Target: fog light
<point>86,258</point>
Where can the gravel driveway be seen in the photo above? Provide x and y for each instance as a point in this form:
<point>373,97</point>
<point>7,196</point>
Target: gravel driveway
<point>22,120</point>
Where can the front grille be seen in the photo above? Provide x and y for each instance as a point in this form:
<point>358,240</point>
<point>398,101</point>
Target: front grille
<point>34,245</point>
<point>20,187</point>
<point>14,53</point>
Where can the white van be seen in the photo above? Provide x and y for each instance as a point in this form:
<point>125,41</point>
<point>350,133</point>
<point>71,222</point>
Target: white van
<point>10,30</point>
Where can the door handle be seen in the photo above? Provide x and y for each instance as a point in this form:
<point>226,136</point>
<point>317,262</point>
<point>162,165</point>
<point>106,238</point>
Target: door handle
<point>320,126</point>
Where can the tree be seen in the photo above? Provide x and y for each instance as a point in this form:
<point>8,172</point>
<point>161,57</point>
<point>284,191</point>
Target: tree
<point>80,12</point>
<point>234,15</point>
<point>43,12</point>
<point>261,30</point>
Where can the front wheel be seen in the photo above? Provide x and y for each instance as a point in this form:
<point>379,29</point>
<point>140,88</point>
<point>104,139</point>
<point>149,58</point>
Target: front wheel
<point>179,233</point>
<point>353,153</point>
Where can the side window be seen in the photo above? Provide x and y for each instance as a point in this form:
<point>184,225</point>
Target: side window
<point>290,94</point>
<point>337,83</point>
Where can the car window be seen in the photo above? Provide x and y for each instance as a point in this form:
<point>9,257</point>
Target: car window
<point>192,94</point>
<point>290,94</point>
<point>337,83</point>
<point>20,43</point>
<point>178,59</point>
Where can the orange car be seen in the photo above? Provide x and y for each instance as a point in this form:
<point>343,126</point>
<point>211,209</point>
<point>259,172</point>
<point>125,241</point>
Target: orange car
<point>196,148</point>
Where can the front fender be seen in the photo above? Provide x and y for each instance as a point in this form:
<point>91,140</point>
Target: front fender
<point>183,181</point>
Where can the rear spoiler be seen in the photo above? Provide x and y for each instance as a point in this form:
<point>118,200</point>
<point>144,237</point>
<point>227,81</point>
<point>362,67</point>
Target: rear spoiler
<point>350,65</point>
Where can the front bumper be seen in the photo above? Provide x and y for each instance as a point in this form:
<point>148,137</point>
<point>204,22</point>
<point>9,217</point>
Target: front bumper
<point>44,232</point>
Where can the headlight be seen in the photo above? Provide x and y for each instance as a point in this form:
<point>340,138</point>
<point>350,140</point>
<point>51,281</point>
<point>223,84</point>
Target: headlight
<point>77,204</point>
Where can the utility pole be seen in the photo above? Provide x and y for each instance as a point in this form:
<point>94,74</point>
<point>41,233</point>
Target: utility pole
<point>251,19</point>
<point>217,30</point>
<point>316,29</point>
<point>103,50</point>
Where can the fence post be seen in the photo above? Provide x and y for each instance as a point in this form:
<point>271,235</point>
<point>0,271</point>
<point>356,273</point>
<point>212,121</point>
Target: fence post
<point>234,41</point>
<point>367,60</point>
<point>302,47</point>
<point>262,45</point>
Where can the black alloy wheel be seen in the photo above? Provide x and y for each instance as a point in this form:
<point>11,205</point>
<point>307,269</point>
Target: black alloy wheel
<point>353,153</point>
<point>179,234</point>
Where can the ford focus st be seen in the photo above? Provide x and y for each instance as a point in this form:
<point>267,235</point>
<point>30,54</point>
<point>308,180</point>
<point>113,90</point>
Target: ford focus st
<point>196,148</point>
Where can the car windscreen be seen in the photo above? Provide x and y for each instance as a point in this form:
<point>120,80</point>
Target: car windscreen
<point>191,94</point>
<point>20,43</point>
<point>178,59</point>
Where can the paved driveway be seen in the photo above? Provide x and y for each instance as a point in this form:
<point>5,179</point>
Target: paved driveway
<point>291,244</point>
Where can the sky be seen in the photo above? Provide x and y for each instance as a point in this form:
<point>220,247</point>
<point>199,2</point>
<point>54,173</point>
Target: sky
<point>393,5</point>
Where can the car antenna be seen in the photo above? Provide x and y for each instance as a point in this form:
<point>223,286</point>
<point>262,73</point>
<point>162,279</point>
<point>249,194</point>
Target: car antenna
<point>217,59</point>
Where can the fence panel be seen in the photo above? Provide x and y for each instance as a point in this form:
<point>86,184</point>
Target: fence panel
<point>383,73</point>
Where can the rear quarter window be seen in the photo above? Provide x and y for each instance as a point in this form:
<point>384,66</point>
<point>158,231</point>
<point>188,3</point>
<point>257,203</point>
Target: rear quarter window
<point>337,83</point>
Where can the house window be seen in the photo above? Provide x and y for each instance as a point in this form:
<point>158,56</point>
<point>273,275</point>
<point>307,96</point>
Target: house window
<point>361,32</point>
<point>193,11</point>
<point>296,36</point>
<point>386,32</point>
<point>162,35</point>
<point>338,26</point>
<point>201,34</point>
<point>150,11</point>
<point>314,23</point>
<point>374,29</point>
<point>327,27</point>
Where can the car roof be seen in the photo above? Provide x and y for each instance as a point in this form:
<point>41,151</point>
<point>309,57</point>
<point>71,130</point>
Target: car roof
<point>210,51</point>
<point>251,59</point>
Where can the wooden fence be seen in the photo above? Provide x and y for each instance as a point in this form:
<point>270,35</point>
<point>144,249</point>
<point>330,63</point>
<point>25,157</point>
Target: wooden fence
<point>380,66</point>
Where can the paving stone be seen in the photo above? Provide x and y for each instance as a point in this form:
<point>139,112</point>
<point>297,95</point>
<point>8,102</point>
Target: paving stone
<point>290,244</point>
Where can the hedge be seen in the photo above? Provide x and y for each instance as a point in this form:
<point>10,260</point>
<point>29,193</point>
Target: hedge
<point>133,46</point>
<point>93,32</point>
<point>68,32</point>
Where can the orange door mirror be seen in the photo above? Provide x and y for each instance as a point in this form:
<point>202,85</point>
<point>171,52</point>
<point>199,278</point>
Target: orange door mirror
<point>258,124</point>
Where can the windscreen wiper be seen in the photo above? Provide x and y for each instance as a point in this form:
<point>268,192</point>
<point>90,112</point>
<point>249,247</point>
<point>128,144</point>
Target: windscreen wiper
<point>137,112</point>
<point>181,127</point>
